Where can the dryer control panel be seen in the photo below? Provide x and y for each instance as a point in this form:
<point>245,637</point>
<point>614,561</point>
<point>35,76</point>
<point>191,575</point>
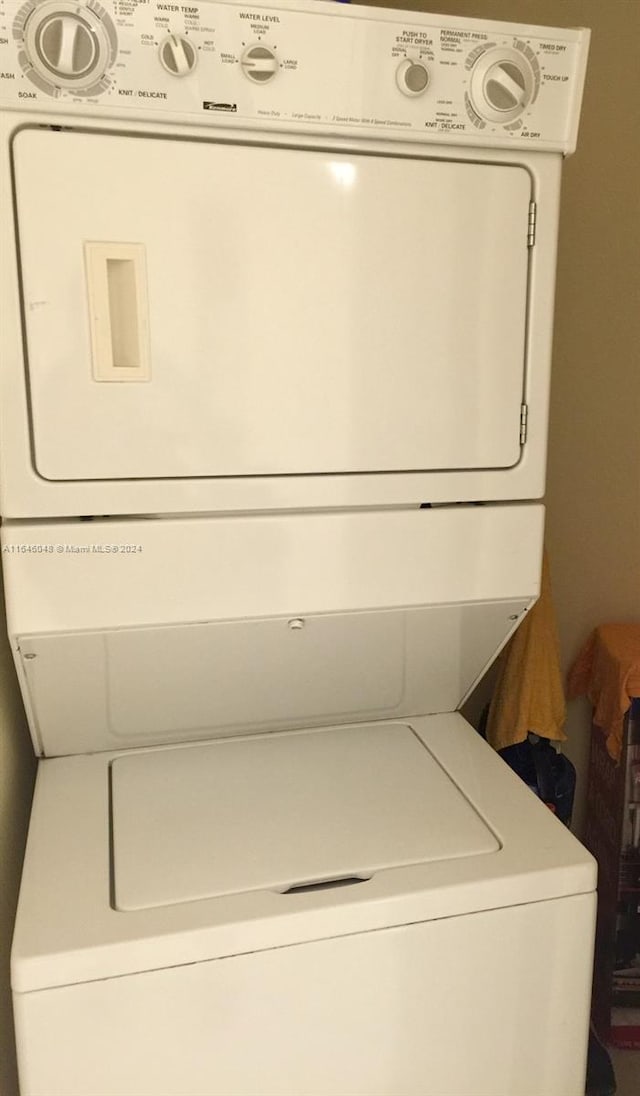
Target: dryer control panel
<point>298,65</point>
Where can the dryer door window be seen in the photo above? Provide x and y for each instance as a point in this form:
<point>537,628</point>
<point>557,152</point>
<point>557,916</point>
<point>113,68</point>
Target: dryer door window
<point>195,309</point>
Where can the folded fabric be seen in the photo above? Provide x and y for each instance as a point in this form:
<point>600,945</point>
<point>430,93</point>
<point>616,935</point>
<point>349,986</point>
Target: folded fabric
<point>529,695</point>
<point>607,670</point>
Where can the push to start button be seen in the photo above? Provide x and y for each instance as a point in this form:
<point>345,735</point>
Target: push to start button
<point>412,77</point>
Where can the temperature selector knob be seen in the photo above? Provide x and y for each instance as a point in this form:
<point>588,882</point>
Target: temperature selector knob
<point>259,63</point>
<point>412,77</point>
<point>178,55</point>
<point>503,83</point>
<point>66,45</point>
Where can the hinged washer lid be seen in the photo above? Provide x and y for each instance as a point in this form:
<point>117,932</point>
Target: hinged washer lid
<point>277,812</point>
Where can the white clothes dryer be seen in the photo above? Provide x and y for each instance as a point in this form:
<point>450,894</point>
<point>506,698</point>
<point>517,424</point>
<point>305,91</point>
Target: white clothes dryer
<point>277,293</point>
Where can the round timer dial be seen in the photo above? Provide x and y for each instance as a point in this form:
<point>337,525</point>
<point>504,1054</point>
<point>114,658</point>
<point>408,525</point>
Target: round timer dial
<point>502,84</point>
<point>66,45</point>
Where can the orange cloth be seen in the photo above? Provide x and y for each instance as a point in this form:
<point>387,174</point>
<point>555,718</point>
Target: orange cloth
<point>608,671</point>
<point>529,695</point>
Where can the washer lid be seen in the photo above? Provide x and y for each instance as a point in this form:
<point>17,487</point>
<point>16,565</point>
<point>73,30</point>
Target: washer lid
<point>281,812</point>
<point>68,869</point>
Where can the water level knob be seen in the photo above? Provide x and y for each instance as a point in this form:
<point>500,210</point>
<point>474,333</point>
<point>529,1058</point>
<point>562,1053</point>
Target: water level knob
<point>178,55</point>
<point>259,63</point>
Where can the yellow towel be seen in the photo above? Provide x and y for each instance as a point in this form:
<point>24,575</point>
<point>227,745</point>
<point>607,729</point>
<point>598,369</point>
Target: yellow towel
<point>607,669</point>
<point>529,695</point>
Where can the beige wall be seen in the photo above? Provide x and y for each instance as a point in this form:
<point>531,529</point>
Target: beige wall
<point>593,488</point>
<point>593,492</point>
<point>17,767</point>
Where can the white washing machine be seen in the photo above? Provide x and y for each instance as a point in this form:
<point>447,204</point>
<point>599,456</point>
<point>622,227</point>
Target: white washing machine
<point>277,294</point>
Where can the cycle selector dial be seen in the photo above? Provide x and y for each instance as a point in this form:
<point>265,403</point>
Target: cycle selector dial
<point>505,87</point>
<point>259,64</point>
<point>178,55</point>
<point>66,45</point>
<point>503,83</point>
<point>412,78</point>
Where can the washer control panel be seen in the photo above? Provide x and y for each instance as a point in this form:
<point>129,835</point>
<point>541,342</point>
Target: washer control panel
<point>302,63</point>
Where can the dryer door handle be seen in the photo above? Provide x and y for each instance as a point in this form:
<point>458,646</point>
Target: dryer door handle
<point>118,311</point>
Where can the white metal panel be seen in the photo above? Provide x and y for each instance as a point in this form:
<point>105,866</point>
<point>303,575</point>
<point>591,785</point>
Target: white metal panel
<point>67,873</point>
<point>436,1009</point>
<point>383,332</point>
<point>366,46</point>
<point>24,493</point>
<point>117,574</point>
<point>280,812</point>
<point>187,634</point>
<point>106,690</point>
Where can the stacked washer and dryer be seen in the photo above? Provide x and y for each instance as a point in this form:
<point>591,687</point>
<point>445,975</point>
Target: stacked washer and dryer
<point>277,294</point>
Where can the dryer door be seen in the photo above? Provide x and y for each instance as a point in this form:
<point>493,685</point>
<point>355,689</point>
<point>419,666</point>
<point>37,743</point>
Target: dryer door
<point>196,309</point>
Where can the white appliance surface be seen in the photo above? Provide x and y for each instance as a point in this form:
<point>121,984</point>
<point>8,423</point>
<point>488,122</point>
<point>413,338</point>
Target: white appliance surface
<point>436,1008</point>
<point>280,812</point>
<point>192,343</point>
<point>537,94</point>
<point>275,277</point>
<point>69,870</point>
<point>145,632</point>
<point>374,345</point>
<point>364,989</point>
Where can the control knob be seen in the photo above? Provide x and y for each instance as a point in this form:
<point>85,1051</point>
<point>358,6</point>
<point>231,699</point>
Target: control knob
<point>502,84</point>
<point>66,45</point>
<point>412,77</point>
<point>178,55</point>
<point>259,63</point>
